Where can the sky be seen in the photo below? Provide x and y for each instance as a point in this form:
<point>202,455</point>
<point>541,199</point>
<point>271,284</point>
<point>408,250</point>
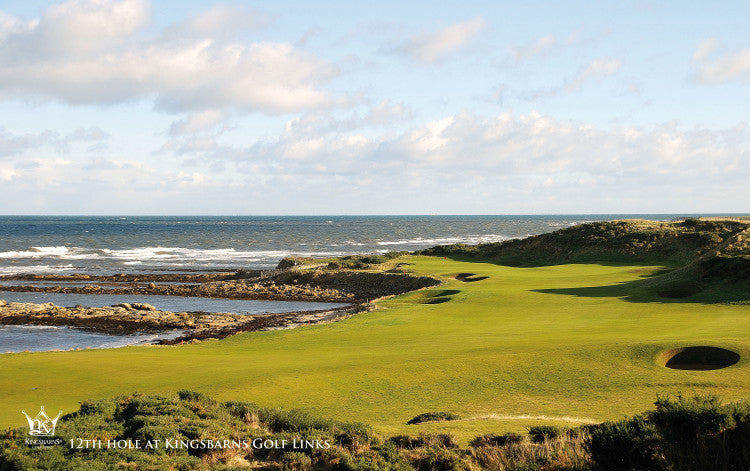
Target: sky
<point>391,107</point>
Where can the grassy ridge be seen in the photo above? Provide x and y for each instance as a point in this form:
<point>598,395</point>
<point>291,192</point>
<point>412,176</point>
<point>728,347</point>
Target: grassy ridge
<point>627,241</point>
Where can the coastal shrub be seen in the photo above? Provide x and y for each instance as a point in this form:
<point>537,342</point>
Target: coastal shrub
<point>566,452</point>
<point>105,407</point>
<point>359,262</point>
<point>702,433</point>
<point>690,434</point>
<point>353,435</point>
<point>614,241</point>
<point>452,250</point>
<point>390,454</point>
<point>291,262</point>
<point>542,433</point>
<point>363,285</point>
<point>681,433</point>
<point>295,461</point>
<point>292,421</point>
<point>683,419</point>
<point>496,440</point>
<point>186,395</point>
<point>625,445</point>
<point>425,440</point>
<point>241,409</point>
<point>439,458</point>
<point>433,417</point>
<point>369,460</point>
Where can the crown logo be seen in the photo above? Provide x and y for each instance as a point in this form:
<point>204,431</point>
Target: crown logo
<point>42,425</point>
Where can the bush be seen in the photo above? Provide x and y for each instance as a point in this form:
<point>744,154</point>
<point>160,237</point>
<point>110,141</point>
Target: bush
<point>542,433</point>
<point>433,417</point>
<point>496,440</point>
<point>625,445</point>
<point>295,461</point>
<point>104,407</point>
<point>359,262</point>
<point>444,440</point>
<point>442,459</point>
<point>702,433</point>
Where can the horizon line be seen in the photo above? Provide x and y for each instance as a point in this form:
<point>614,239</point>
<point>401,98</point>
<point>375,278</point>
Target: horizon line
<point>686,213</point>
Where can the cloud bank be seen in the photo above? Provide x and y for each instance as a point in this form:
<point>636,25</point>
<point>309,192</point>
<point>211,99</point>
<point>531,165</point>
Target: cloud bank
<point>100,52</point>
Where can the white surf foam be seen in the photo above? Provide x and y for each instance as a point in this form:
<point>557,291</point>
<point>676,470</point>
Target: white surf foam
<point>470,239</point>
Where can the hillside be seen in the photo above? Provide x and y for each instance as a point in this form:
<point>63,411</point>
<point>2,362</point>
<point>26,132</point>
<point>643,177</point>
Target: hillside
<point>677,243</point>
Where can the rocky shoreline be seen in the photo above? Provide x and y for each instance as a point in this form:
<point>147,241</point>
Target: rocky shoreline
<point>278,285</point>
<point>356,288</point>
<point>126,318</point>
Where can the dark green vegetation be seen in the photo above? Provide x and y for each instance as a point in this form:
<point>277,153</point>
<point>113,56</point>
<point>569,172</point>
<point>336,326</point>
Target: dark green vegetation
<point>359,262</point>
<point>693,434</point>
<point>609,241</point>
<point>688,434</point>
<point>363,285</point>
<point>433,417</point>
<point>196,432</point>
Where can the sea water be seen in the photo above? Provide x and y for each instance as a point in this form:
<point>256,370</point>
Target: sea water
<point>125,244</point>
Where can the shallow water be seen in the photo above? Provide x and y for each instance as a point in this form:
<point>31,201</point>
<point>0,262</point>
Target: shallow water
<point>39,338</point>
<point>168,303</point>
<point>74,284</point>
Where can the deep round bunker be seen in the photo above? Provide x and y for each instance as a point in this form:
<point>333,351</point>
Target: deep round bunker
<point>699,358</point>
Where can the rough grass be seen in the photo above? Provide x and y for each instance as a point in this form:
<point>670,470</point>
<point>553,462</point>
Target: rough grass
<point>608,241</point>
<point>686,434</point>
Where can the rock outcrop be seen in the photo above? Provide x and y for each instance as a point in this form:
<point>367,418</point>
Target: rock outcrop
<point>128,318</point>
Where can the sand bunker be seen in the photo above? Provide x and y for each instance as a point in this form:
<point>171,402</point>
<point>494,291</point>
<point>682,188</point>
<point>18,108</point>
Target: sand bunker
<point>438,297</point>
<point>698,358</point>
<point>469,277</point>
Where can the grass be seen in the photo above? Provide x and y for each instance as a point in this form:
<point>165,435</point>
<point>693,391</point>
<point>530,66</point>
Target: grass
<point>514,350</point>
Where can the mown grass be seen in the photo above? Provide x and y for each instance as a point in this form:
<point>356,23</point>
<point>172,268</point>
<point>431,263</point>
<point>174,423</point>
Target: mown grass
<point>499,353</point>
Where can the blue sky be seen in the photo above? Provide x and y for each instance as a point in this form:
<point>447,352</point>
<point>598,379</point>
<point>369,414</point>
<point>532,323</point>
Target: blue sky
<point>199,107</point>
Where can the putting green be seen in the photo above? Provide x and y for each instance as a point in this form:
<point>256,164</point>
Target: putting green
<point>518,348</point>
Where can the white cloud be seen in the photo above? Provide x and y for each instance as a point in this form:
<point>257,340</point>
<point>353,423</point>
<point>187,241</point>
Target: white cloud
<point>15,145</point>
<point>387,113</point>
<point>705,48</point>
<point>430,48</point>
<point>602,67</point>
<point>539,46</point>
<point>80,26</point>
<point>222,20</point>
<point>197,122</point>
<point>727,67</point>
<point>467,146</point>
<point>598,68</point>
<point>7,172</point>
<point>462,163</point>
<point>99,52</point>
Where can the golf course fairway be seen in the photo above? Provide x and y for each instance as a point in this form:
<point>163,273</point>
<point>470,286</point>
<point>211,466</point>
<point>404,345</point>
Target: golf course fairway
<point>552,344</point>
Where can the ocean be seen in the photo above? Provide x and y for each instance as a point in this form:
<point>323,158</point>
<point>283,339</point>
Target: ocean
<point>104,245</point>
